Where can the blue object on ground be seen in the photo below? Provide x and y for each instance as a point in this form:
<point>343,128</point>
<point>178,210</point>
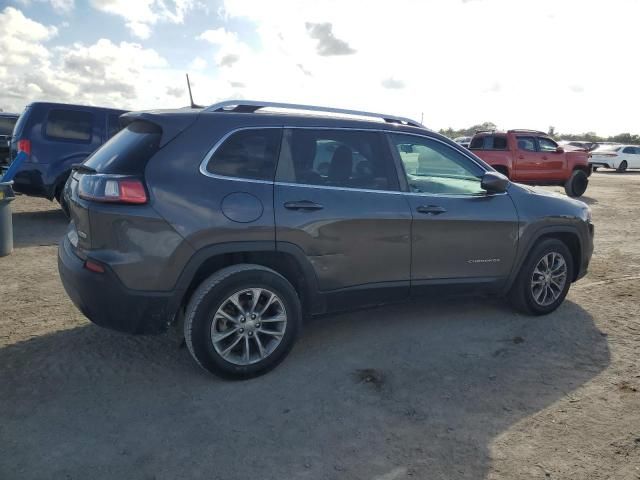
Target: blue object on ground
<point>14,167</point>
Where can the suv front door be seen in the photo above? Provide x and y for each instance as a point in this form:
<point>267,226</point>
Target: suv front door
<point>461,233</point>
<point>337,198</point>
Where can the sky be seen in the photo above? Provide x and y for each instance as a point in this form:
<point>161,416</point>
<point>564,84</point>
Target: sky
<point>571,64</point>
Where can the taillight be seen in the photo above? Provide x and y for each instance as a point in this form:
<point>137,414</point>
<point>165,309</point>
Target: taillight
<point>112,189</point>
<point>24,146</point>
<point>607,154</point>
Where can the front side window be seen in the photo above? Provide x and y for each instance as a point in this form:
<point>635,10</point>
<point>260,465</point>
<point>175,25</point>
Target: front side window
<point>69,125</point>
<point>527,144</point>
<point>547,145</point>
<point>250,154</point>
<point>432,167</point>
<point>337,158</point>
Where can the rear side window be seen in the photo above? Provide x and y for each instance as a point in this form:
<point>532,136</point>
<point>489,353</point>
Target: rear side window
<point>128,151</point>
<point>250,154</point>
<point>7,124</point>
<point>629,150</point>
<point>69,125</point>
<point>337,158</point>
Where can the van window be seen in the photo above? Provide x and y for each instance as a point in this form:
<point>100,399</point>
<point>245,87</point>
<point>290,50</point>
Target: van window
<point>69,125</point>
<point>113,126</point>
<point>250,154</point>
<point>337,158</point>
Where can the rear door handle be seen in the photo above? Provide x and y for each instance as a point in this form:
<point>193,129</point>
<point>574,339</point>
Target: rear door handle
<point>431,209</point>
<point>303,205</point>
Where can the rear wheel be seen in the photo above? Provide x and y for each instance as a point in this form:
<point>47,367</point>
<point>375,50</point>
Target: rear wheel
<point>242,321</point>
<point>622,167</point>
<point>544,279</point>
<point>577,184</point>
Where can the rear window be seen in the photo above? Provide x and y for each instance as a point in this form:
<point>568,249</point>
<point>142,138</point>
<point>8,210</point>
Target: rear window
<point>248,154</point>
<point>128,151</point>
<point>69,125</point>
<point>7,124</point>
<point>489,142</point>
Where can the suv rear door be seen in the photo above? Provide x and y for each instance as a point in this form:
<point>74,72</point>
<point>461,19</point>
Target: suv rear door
<point>337,198</point>
<point>461,234</point>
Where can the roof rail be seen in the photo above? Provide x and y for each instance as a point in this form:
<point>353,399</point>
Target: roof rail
<point>525,130</point>
<point>250,106</point>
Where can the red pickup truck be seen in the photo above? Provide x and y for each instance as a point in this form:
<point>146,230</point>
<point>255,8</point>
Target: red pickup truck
<point>528,156</point>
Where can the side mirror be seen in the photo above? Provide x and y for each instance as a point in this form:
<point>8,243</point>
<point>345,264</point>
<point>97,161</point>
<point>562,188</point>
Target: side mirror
<point>494,182</point>
<point>559,149</point>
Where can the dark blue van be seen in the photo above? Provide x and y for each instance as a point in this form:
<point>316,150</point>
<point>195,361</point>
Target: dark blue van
<point>54,136</point>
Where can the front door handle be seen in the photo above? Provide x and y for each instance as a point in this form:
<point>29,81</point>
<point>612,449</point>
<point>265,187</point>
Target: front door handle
<point>303,205</point>
<point>431,209</point>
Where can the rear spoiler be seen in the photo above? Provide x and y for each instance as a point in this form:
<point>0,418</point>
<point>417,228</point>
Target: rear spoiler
<point>171,123</point>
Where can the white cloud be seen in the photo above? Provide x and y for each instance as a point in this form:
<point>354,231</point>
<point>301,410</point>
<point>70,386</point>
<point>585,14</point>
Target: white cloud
<point>141,15</point>
<point>198,63</point>
<point>105,73</point>
<point>63,6</point>
<point>229,48</point>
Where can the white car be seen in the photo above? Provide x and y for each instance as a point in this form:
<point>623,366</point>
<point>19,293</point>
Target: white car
<point>619,157</point>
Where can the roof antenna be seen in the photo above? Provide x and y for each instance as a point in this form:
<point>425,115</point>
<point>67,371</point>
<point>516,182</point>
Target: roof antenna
<point>193,105</point>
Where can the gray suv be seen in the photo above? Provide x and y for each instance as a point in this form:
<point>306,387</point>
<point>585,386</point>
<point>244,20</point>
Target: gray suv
<point>238,221</point>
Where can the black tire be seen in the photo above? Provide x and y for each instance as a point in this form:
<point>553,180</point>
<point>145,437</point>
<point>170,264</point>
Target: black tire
<point>521,294</point>
<point>622,167</point>
<point>213,293</point>
<point>577,184</point>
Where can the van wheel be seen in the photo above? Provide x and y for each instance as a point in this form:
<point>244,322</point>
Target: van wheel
<point>622,167</point>
<point>544,279</point>
<point>577,184</point>
<point>242,321</point>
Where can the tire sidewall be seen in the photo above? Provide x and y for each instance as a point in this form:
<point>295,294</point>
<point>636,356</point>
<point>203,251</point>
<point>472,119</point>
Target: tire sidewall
<point>578,184</point>
<point>536,255</point>
<point>201,317</point>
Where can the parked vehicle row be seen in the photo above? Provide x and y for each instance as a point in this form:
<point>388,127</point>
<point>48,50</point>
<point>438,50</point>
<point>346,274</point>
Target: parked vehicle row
<point>532,157</point>
<point>236,222</point>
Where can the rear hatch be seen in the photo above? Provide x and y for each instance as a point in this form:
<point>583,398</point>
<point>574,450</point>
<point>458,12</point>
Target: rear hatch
<point>112,175</point>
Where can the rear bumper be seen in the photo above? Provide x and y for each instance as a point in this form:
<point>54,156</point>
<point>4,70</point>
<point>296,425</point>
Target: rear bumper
<point>103,299</point>
<point>600,164</point>
<point>587,252</point>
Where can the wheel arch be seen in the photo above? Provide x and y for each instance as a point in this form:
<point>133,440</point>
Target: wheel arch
<point>288,260</point>
<point>566,234</point>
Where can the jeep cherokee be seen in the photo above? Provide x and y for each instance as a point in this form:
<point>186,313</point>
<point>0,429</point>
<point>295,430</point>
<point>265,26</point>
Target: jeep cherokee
<point>237,221</point>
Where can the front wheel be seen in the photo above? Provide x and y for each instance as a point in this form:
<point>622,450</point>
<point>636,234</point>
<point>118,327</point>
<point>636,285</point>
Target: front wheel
<point>622,167</point>
<point>544,278</point>
<point>577,184</point>
<point>242,321</point>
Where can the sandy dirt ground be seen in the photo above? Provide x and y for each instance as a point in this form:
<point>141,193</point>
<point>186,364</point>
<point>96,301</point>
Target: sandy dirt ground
<point>451,389</point>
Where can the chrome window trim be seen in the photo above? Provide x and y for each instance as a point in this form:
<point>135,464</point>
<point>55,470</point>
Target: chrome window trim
<point>212,150</point>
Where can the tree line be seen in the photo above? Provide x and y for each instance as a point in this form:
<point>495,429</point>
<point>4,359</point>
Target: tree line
<point>552,132</point>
